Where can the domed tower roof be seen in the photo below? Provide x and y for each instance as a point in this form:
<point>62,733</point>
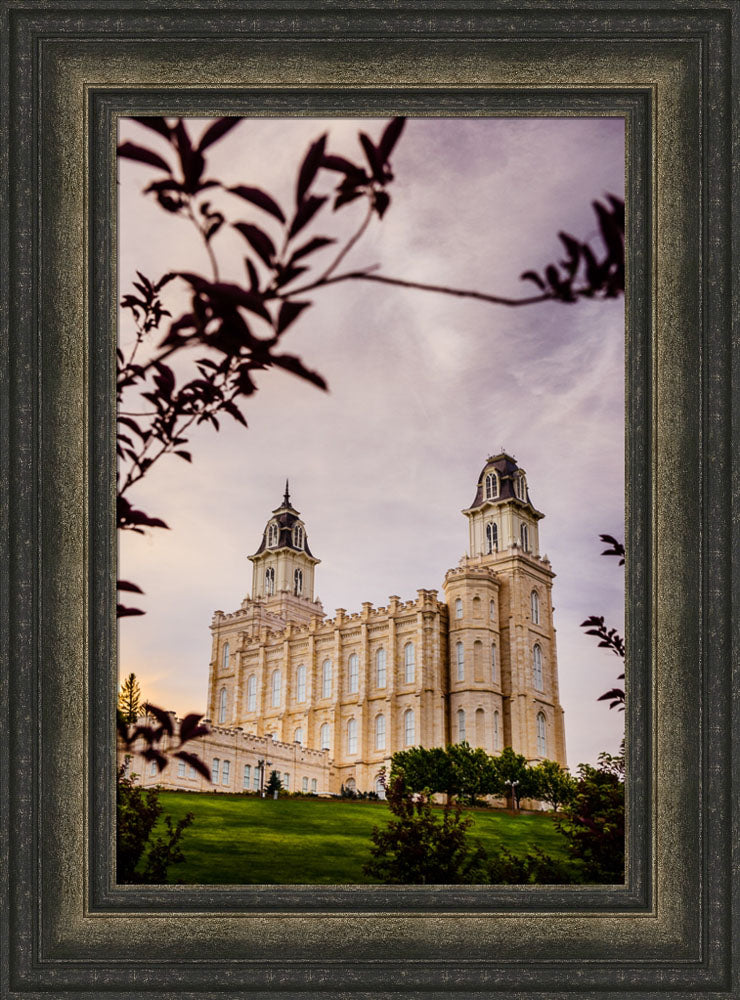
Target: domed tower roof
<point>285,518</point>
<point>511,483</point>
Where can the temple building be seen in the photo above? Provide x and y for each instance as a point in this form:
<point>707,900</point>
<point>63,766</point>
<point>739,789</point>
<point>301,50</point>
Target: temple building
<point>343,694</point>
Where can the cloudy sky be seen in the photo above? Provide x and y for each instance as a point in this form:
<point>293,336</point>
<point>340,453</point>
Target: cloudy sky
<point>422,388</point>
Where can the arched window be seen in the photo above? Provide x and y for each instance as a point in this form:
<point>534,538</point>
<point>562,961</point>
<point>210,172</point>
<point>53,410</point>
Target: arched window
<point>226,656</point>
<point>298,536</point>
<point>277,682</point>
<point>537,667</point>
<point>534,598</point>
<point>352,737</point>
<point>252,693</point>
<point>353,677</point>
<point>478,668</point>
<point>492,610</point>
<point>460,653</point>
<point>408,662</point>
<point>222,706</point>
<point>351,785</point>
<point>380,668</point>
<point>492,537</point>
<point>270,581</point>
<point>380,786</point>
<point>460,726</point>
<point>524,535</point>
<point>409,727</point>
<point>496,731</point>
<point>300,684</point>
<point>225,772</point>
<point>324,736</point>
<point>521,487</point>
<point>272,534</point>
<point>480,727</point>
<point>298,582</point>
<point>476,607</point>
<point>491,486</point>
<point>298,736</point>
<point>326,679</point>
<point>493,662</point>
<point>380,732</point>
<point>541,735</point>
<point>458,608</point>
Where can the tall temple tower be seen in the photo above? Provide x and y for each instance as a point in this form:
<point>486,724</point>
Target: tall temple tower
<point>502,651</point>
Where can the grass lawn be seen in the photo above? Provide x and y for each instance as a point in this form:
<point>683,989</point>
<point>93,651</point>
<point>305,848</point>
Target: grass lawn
<point>243,840</point>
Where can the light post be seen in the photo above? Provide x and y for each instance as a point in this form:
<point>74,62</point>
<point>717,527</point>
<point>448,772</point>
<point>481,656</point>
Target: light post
<point>512,785</point>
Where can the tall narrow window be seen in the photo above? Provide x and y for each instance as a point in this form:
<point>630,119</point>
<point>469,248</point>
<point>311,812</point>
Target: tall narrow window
<point>480,727</point>
<point>458,608</point>
<point>541,735</point>
<point>222,706</point>
<point>492,610</point>
<point>270,581</point>
<point>314,786</point>
<point>298,582</point>
<point>478,668</point>
<point>491,486</point>
<point>286,781</point>
<point>324,736</point>
<point>408,661</point>
<point>304,786</point>
<point>524,535</point>
<point>460,651</point>
<point>272,534</point>
<point>353,675</point>
<point>181,769</point>
<point>326,679</point>
<point>493,662</point>
<point>460,726</point>
<point>276,688</point>
<point>492,537</point>
<point>380,667</point>
<point>535,602</point>
<point>380,732</point>
<point>352,737</point>
<point>226,656</point>
<point>298,536</point>
<point>537,667</point>
<point>256,779</point>
<point>252,693</point>
<point>225,772</point>
<point>300,684</point>
<point>496,731</point>
<point>247,781</point>
<point>409,727</point>
<point>477,613</point>
<point>298,736</point>
<point>214,770</point>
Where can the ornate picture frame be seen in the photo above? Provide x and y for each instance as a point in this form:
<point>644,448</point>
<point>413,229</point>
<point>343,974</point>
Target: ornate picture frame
<point>67,929</point>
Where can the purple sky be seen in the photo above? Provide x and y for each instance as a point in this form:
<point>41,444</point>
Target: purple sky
<point>423,387</point>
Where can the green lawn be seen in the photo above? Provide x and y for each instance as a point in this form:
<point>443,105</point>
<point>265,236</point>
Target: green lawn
<point>242,840</point>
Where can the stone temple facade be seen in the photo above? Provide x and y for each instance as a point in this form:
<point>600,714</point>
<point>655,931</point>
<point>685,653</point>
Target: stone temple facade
<point>479,665</point>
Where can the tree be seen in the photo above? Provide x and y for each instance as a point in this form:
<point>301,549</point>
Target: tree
<point>274,784</point>
<point>511,774</point>
<point>593,821</point>
<point>129,699</point>
<point>138,860</point>
<point>609,638</point>
<point>418,848</point>
<point>553,783</point>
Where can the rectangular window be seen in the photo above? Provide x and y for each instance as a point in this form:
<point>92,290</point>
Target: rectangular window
<point>192,773</point>
<point>247,775</point>
<point>304,786</point>
<point>181,769</point>
<point>286,781</point>
<point>214,771</point>
<point>314,786</point>
<point>256,781</point>
<point>225,772</point>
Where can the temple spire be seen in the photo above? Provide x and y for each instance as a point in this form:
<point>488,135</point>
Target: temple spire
<point>286,498</point>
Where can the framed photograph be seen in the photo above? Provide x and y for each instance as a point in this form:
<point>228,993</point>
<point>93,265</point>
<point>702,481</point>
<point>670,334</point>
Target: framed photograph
<point>85,84</point>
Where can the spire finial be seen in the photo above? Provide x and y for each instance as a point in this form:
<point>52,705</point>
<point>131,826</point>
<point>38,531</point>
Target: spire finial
<point>286,498</point>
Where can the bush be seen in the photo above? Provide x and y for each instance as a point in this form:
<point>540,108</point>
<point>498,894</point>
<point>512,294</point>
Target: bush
<point>593,822</point>
<point>137,813</point>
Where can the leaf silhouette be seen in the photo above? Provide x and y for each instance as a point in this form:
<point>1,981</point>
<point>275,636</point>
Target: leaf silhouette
<point>289,311</point>
<point>155,123</point>
<point>258,240</point>
<point>131,151</point>
<point>389,138</point>
<point>215,131</point>
<point>259,198</point>
<point>309,168</point>
<point>305,213</point>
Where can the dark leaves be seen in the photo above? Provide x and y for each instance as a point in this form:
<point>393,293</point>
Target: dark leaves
<point>389,137</point>
<point>133,152</point>
<point>258,240</point>
<point>157,124</point>
<point>216,131</point>
<point>293,364</point>
<point>259,198</point>
<point>309,168</point>
<point>124,612</point>
<point>194,761</point>
<point>190,727</point>
<point>315,244</point>
<point>128,586</point>
<point>163,718</point>
<point>289,311</point>
<point>135,520</point>
<point>305,213</point>
<point>616,548</point>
